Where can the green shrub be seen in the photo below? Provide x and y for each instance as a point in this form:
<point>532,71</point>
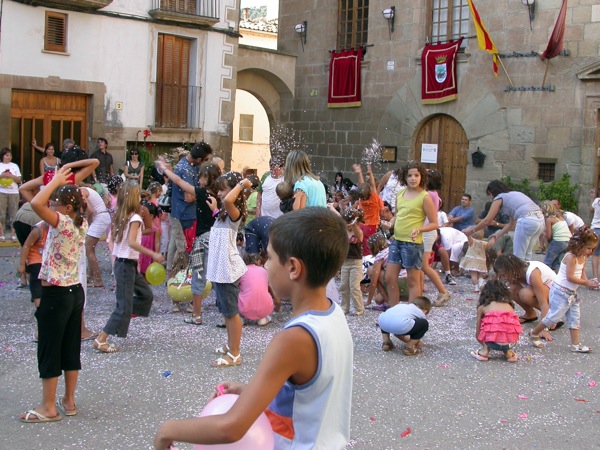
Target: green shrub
<point>561,190</point>
<point>522,186</point>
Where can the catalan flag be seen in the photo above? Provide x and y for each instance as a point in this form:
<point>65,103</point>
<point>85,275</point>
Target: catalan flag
<point>483,37</point>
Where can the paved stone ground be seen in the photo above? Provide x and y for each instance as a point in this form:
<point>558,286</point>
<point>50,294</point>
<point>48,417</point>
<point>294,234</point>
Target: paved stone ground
<point>440,399</point>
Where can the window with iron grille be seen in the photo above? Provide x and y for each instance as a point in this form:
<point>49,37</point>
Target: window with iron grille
<point>173,88</point>
<point>246,127</point>
<point>55,38</point>
<point>353,23</point>
<point>447,20</point>
<point>546,172</point>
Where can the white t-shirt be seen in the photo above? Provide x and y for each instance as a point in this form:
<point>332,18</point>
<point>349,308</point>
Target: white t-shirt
<point>122,249</point>
<point>14,169</point>
<point>573,219</point>
<point>596,218</point>
<point>270,201</point>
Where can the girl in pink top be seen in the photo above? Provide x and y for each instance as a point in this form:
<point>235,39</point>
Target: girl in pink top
<point>255,301</point>
<point>498,326</point>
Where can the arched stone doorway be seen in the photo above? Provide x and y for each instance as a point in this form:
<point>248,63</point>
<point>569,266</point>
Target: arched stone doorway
<point>453,145</point>
<point>268,77</point>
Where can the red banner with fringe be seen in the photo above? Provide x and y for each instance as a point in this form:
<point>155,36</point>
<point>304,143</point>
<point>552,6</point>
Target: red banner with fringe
<point>344,79</point>
<point>439,83</point>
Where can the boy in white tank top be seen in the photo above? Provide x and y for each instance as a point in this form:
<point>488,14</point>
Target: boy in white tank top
<point>304,381</point>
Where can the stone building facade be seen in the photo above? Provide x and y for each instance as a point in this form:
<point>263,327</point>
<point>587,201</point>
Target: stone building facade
<point>524,132</point>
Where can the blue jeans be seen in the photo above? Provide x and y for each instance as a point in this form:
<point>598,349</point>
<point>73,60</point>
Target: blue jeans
<point>555,253</point>
<point>563,304</point>
<point>527,232</point>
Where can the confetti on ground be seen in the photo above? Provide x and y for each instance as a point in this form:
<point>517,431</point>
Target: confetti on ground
<point>522,397</point>
<point>581,400</point>
<point>592,383</point>
<point>523,416</point>
<point>406,432</point>
<point>444,366</point>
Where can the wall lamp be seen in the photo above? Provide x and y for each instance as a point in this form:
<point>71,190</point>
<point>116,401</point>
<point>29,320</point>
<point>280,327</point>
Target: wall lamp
<point>390,15</point>
<point>302,29</point>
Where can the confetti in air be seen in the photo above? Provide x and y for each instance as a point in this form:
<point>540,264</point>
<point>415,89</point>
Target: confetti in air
<point>372,154</point>
<point>282,141</point>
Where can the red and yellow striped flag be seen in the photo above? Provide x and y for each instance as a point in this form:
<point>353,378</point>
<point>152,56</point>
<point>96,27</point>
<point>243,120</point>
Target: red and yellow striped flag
<point>483,38</point>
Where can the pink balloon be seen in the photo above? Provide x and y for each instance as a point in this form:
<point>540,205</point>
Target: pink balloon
<point>258,437</point>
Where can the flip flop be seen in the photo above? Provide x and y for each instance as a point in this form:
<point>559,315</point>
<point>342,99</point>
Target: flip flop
<point>91,337</point>
<point>478,356</point>
<point>527,319</point>
<point>68,412</point>
<point>32,416</point>
<point>558,326</point>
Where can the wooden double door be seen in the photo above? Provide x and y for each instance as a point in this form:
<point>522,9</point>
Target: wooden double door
<point>453,146</point>
<point>46,117</point>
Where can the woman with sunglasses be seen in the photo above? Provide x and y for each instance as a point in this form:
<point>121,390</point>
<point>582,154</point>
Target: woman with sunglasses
<point>134,169</point>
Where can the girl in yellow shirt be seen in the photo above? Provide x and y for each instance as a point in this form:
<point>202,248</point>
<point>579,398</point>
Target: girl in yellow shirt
<point>413,205</point>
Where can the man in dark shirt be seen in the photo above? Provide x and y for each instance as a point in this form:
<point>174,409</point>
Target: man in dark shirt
<point>183,214</point>
<point>104,171</point>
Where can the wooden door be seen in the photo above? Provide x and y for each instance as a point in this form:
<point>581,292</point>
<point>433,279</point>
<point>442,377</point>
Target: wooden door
<point>453,144</point>
<point>45,117</point>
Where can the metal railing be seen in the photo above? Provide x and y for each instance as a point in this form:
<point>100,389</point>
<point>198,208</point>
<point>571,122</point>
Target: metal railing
<point>205,8</point>
<point>176,105</point>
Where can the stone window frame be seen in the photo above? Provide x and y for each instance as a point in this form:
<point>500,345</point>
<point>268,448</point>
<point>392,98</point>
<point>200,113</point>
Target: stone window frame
<point>546,171</point>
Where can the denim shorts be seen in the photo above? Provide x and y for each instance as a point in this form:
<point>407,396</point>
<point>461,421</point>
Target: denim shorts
<point>227,298</point>
<point>597,250</point>
<point>407,254</point>
<point>563,304</point>
<point>500,347</point>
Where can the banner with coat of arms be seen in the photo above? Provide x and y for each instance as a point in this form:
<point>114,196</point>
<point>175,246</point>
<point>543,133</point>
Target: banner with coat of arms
<point>439,81</point>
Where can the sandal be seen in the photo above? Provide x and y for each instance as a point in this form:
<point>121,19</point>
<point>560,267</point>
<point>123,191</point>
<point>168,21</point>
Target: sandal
<point>412,351</point>
<point>512,358</point>
<point>478,356</point>
<point>579,348</point>
<point>104,347</point>
<point>222,350</point>
<point>68,412</point>
<point>32,416</point>
<point>536,341</point>
<point>222,362</point>
<point>194,320</point>
<point>387,346</point>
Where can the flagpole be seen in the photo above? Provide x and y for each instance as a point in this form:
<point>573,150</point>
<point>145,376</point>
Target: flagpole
<point>504,68</point>
<point>545,72</point>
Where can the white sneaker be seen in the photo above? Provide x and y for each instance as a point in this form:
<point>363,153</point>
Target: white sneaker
<point>264,321</point>
<point>175,308</point>
<point>190,308</point>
